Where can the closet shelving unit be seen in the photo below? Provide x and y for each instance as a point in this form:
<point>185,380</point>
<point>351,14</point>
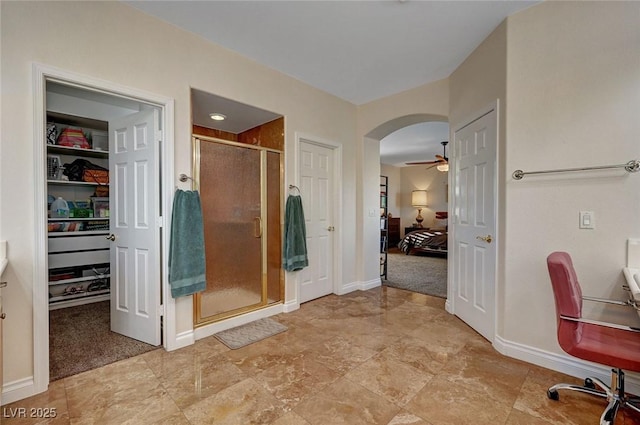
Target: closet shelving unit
<point>78,248</point>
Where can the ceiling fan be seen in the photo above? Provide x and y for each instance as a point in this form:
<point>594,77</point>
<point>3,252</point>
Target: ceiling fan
<point>441,161</point>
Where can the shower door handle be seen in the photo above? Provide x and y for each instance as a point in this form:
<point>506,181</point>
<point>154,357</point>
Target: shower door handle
<point>257,222</point>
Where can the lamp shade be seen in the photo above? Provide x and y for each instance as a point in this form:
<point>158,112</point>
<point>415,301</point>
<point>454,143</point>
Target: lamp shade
<point>419,198</point>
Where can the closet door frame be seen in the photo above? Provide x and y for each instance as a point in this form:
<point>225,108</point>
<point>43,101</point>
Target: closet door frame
<point>41,75</point>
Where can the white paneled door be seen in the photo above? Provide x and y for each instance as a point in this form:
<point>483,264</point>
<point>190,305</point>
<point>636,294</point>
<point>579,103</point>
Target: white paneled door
<point>474,242</point>
<point>133,199</point>
<point>317,191</point>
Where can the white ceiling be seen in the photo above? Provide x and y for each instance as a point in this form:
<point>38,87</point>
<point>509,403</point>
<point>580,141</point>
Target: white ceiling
<point>357,50</point>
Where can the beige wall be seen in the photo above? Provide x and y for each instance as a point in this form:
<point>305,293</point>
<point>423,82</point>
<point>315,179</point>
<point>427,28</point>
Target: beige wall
<point>573,96</point>
<point>116,43</point>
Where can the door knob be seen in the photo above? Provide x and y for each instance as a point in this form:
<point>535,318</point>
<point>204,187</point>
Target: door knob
<point>111,237</point>
<point>331,228</point>
<point>487,238</point>
<point>3,316</point>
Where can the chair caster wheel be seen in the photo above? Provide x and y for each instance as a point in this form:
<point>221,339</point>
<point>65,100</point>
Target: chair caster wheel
<point>589,383</point>
<point>553,395</point>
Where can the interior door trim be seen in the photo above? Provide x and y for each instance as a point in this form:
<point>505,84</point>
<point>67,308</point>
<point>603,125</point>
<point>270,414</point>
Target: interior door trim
<point>337,205</point>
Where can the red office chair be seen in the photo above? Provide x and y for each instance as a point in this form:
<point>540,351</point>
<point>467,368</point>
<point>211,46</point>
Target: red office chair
<point>605,343</point>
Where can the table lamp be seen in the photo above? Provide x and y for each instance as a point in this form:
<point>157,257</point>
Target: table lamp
<point>419,201</point>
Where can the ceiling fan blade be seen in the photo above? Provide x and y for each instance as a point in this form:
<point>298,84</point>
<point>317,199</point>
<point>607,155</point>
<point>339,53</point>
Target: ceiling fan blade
<point>423,162</point>
<point>442,158</point>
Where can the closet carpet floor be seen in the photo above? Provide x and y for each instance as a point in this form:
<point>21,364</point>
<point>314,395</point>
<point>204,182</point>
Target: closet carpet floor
<point>80,339</point>
<point>383,356</point>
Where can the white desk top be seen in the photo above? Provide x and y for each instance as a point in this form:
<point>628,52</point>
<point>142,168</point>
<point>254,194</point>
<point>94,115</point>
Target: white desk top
<point>3,265</point>
<point>633,281</point>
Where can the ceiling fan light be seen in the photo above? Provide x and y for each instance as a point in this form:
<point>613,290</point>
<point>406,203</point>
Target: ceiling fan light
<point>442,167</point>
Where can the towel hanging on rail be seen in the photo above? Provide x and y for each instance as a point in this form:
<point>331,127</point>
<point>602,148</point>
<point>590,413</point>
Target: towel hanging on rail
<point>295,235</point>
<point>186,248</point>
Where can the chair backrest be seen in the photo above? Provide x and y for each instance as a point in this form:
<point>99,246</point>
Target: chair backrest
<point>566,289</point>
<point>568,298</point>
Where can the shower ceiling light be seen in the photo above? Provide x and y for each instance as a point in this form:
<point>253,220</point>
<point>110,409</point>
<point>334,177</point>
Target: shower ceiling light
<point>217,116</point>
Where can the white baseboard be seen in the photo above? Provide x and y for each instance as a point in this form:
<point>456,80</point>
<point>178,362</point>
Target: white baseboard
<point>232,322</point>
<point>18,390</point>
<point>349,287</point>
<point>448,307</point>
<point>290,306</point>
<point>359,286</point>
<point>365,286</point>
<point>563,363</point>
<point>183,339</point>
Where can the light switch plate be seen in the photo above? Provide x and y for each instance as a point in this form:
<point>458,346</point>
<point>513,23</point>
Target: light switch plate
<point>587,220</point>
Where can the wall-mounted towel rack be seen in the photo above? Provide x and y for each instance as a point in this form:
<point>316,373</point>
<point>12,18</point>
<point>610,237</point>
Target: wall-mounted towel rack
<point>294,187</point>
<point>631,167</point>
<point>183,178</point>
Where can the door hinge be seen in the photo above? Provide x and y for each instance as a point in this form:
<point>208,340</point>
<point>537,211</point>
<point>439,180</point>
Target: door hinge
<point>159,222</point>
<point>160,310</point>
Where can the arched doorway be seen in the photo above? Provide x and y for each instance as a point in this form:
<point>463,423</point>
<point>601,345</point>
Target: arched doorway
<point>400,186</point>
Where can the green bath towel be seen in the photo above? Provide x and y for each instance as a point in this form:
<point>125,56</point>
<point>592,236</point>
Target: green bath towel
<point>186,248</point>
<point>295,236</point>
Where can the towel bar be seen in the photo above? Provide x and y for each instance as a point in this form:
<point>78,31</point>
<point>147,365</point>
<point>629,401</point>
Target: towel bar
<point>183,178</point>
<point>631,167</point>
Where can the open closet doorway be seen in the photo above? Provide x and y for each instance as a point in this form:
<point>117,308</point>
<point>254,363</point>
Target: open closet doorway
<point>101,214</point>
<point>414,208</point>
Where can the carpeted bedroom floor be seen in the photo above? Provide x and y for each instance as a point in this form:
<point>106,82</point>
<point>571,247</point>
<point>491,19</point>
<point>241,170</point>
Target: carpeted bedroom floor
<point>426,274</point>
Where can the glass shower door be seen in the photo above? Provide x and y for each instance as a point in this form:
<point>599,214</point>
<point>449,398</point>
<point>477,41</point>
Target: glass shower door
<point>230,190</point>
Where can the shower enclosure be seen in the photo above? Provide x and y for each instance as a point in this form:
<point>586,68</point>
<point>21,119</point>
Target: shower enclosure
<point>241,190</point>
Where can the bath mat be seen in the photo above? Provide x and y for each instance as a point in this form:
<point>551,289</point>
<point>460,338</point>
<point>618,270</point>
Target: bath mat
<point>249,333</point>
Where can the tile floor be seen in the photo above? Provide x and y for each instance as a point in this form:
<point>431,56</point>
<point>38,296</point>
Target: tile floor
<point>384,356</point>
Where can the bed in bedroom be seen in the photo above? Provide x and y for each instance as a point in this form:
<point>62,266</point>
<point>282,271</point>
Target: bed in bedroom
<point>432,240</point>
